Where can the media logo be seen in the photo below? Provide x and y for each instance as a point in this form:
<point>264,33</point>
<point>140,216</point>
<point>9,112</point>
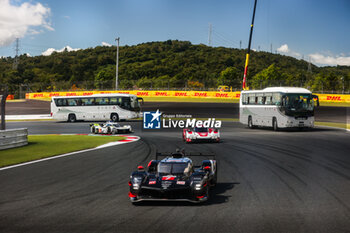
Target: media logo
<point>151,120</point>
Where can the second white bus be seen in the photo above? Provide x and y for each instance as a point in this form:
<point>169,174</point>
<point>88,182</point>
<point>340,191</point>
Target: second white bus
<point>278,107</point>
<point>114,107</point>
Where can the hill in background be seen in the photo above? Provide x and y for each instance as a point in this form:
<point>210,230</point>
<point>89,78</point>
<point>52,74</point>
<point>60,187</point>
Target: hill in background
<point>166,65</point>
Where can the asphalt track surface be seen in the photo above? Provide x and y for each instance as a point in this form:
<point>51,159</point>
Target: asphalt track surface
<point>200,110</point>
<point>268,182</point>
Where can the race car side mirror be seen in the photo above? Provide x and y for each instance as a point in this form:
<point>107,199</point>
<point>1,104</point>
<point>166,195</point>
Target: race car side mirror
<point>140,168</point>
<point>207,168</point>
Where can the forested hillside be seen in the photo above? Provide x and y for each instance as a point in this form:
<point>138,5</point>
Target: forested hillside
<point>163,65</point>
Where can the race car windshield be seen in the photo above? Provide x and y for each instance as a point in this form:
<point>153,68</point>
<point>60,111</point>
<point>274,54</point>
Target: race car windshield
<point>172,168</point>
<point>200,130</point>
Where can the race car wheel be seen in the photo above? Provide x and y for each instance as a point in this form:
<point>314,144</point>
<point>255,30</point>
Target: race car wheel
<point>96,130</point>
<point>114,117</point>
<point>72,118</point>
<point>109,130</point>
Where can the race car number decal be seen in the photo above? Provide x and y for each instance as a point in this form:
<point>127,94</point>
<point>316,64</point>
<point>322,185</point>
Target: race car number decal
<point>152,182</point>
<point>180,182</point>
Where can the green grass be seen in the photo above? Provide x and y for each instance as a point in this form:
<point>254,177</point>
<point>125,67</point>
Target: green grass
<point>42,146</point>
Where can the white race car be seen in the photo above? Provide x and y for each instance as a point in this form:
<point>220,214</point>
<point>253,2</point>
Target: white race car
<point>110,128</point>
<point>201,134</point>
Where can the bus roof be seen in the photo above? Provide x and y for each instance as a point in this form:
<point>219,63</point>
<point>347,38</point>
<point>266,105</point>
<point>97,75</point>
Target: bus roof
<point>282,90</point>
<point>96,95</point>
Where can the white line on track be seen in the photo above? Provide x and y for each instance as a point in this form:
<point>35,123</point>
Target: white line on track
<point>127,140</point>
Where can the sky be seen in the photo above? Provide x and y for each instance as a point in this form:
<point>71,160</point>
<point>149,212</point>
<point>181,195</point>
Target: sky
<point>305,29</point>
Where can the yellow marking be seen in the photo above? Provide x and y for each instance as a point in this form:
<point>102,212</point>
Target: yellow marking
<point>246,60</point>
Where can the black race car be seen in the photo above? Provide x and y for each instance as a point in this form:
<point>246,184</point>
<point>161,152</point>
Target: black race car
<point>173,178</point>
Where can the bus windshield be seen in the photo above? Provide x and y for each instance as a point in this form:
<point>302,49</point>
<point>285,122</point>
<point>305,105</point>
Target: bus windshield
<point>298,103</point>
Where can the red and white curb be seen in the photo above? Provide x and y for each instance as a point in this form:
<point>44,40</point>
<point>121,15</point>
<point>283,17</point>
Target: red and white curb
<point>127,139</point>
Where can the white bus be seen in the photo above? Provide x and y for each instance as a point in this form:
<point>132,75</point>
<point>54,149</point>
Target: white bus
<point>278,107</point>
<point>98,107</point>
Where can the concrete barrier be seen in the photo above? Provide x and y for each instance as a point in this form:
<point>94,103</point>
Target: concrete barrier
<point>12,138</point>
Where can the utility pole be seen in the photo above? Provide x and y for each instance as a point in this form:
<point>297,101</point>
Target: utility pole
<point>15,62</point>
<point>117,64</point>
<point>209,34</point>
<point>271,47</point>
<point>240,44</point>
<point>244,86</point>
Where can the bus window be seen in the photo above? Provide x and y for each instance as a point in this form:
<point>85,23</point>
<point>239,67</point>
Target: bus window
<point>115,100</point>
<point>61,102</point>
<point>126,103</point>
<point>102,101</point>
<point>244,99</point>
<point>251,98</point>
<point>72,102</point>
<point>276,99</point>
<point>87,101</point>
<point>260,100</point>
<point>268,100</point>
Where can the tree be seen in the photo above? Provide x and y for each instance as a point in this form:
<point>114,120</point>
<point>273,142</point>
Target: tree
<point>271,76</point>
<point>230,77</point>
<point>105,77</point>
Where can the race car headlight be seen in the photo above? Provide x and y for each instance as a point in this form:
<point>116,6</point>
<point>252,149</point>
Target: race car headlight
<point>136,180</point>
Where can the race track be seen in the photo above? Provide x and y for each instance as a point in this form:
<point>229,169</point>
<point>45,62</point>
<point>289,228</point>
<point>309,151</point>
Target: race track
<point>268,182</point>
<point>201,110</point>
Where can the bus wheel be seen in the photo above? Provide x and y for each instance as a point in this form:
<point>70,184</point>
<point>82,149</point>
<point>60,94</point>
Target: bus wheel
<point>250,123</point>
<point>114,117</point>
<point>72,118</point>
<point>274,124</point>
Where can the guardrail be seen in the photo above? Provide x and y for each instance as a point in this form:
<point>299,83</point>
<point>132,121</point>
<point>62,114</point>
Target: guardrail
<point>12,138</point>
<point>334,98</point>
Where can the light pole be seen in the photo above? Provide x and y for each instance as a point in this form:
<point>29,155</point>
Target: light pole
<point>342,80</point>
<point>117,64</point>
